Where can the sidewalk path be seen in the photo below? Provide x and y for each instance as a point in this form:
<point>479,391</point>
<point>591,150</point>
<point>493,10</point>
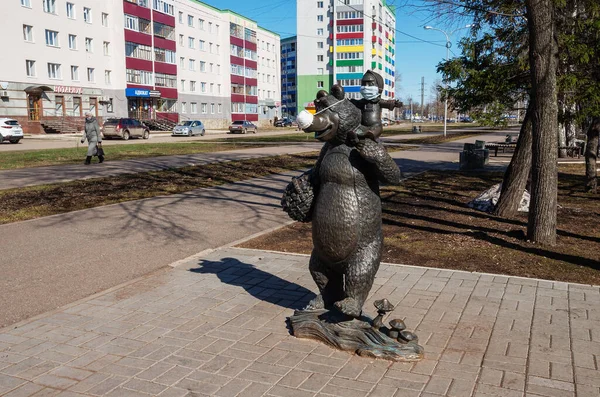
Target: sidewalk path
<point>215,325</point>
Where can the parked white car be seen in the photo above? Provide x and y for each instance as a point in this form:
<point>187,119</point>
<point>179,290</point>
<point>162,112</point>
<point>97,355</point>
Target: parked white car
<point>189,128</point>
<point>10,130</point>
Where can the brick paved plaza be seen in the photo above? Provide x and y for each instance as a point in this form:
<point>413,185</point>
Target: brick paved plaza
<point>215,325</point>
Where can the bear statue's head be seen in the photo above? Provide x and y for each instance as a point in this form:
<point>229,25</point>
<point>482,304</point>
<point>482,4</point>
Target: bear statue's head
<point>335,116</point>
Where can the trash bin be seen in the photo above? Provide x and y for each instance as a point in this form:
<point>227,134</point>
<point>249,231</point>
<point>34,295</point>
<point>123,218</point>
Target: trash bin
<point>474,156</point>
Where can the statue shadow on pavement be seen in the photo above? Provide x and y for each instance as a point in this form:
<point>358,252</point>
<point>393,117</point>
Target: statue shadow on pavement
<point>258,283</point>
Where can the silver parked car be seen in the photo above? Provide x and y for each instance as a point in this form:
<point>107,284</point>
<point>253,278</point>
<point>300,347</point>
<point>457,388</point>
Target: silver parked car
<point>189,128</point>
<point>10,130</point>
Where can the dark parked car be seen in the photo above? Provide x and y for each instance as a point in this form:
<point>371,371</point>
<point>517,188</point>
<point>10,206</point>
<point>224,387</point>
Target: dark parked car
<point>242,126</point>
<point>284,122</point>
<point>125,129</point>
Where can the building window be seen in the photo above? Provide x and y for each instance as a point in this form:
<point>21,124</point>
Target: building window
<point>139,77</point>
<point>201,23</point>
<point>138,51</point>
<point>132,23</point>
<point>74,73</point>
<point>220,108</point>
<point>212,87</point>
<point>70,10</point>
<point>182,85</point>
<point>319,18</point>
<point>107,77</point>
<point>72,42</point>
<point>183,107</point>
<point>218,88</point>
<point>28,33</point>
<point>218,69</point>
<point>320,84</point>
<point>89,45</point>
<point>320,70</point>
<point>49,6</point>
<point>202,66</point>
<point>181,39</point>
<point>105,19</point>
<point>106,47</point>
<point>90,74</point>
<point>54,71</point>
<point>218,48</point>
<point>191,42</point>
<point>193,107</point>
<point>210,27</point>
<point>192,64</point>
<point>201,45</point>
<point>319,4</point>
<point>26,3</point>
<point>30,67</point>
<point>202,87</point>
<point>319,58</point>
<point>87,15</point>
<point>210,67</point>
<point>51,38</point>
<point>212,108</point>
<point>216,29</point>
<point>203,108</point>
<point>210,48</point>
<point>320,32</point>
<point>190,21</point>
<point>192,86</point>
<point>180,17</point>
<point>109,106</point>
<point>181,62</point>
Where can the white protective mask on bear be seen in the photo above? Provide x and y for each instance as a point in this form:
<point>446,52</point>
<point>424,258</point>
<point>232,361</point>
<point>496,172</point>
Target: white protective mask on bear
<point>369,92</point>
<point>305,118</point>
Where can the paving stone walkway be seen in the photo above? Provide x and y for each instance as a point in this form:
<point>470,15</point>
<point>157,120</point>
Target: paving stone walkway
<point>215,325</point>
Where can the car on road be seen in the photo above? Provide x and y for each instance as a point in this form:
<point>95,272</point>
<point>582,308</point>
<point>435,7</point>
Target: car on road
<point>189,128</point>
<point>385,122</point>
<point>125,128</point>
<point>242,126</point>
<point>284,122</point>
<point>10,130</point>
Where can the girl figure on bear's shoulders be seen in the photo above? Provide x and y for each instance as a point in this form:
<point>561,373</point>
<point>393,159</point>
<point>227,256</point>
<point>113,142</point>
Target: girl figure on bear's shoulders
<point>370,105</point>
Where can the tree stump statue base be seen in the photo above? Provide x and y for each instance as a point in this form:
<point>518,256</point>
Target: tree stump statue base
<point>352,335</point>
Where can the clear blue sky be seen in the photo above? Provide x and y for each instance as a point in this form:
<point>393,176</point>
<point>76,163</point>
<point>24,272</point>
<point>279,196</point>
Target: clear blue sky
<point>414,58</point>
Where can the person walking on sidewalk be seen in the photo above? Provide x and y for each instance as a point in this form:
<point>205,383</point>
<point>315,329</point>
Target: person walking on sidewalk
<point>94,137</point>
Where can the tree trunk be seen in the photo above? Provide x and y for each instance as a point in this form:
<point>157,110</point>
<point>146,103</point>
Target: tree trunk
<point>543,60</point>
<point>591,156</point>
<point>517,173</point>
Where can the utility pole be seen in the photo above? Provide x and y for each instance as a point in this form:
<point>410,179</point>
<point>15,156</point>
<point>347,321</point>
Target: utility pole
<point>422,95</point>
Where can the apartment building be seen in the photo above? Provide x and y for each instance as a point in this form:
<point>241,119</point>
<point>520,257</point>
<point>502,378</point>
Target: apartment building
<point>339,40</point>
<point>289,107</point>
<point>155,60</point>
<point>66,59</point>
<point>269,85</point>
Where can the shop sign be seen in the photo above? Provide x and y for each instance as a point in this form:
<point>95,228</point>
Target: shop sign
<point>137,92</point>
<point>62,89</point>
<point>155,94</point>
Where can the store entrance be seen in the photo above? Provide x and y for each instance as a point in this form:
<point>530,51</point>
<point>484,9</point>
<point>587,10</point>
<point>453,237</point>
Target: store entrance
<point>34,105</point>
<point>142,108</point>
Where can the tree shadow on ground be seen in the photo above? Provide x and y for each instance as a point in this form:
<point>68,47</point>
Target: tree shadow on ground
<point>258,283</point>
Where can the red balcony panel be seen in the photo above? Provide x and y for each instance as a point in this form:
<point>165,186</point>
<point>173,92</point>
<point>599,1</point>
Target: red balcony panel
<point>135,10</point>
<point>249,45</point>
<point>144,87</point>
<point>236,60</point>
<point>380,41</point>
<point>251,82</point>
<point>373,39</point>
<point>163,18</point>
<point>251,64</point>
<point>167,92</point>
<point>137,37</point>
<point>252,117</point>
<point>166,68</point>
<point>251,99</point>
<point>238,117</point>
<point>374,25</point>
<point>237,41</point>
<point>237,79</point>
<point>330,36</point>
<point>139,64</point>
<point>357,21</point>
<point>355,35</point>
<point>238,98</point>
<point>380,28</point>
<point>164,43</point>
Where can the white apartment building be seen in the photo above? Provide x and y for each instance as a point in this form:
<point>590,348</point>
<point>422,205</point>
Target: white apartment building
<point>66,59</point>
<point>203,64</point>
<point>269,74</point>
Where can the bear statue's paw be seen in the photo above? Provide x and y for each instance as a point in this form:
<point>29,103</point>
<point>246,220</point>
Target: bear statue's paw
<point>316,304</point>
<point>349,307</point>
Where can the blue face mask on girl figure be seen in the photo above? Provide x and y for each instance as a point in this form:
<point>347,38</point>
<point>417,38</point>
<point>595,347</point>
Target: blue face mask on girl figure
<point>369,92</point>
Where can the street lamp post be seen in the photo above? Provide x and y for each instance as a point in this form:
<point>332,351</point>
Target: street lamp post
<point>448,45</point>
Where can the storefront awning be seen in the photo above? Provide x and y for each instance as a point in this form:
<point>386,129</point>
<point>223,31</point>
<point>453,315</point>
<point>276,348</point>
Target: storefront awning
<point>37,89</point>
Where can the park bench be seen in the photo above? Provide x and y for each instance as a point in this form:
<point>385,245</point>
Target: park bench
<point>495,146</point>
<point>572,151</point>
